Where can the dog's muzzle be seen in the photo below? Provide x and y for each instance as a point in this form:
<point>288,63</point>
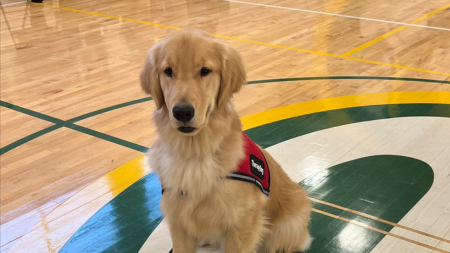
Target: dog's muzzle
<point>184,114</point>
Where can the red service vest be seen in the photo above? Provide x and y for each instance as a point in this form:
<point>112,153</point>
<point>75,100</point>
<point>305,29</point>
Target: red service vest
<point>253,168</point>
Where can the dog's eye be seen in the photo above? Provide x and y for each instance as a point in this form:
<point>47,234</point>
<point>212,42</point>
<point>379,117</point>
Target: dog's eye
<point>205,71</point>
<point>168,72</point>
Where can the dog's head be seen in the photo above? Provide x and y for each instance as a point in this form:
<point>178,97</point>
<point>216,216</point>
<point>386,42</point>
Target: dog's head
<point>190,73</point>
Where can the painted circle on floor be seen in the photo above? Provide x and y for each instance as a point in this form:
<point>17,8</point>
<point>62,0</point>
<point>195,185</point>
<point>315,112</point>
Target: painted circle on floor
<point>125,223</point>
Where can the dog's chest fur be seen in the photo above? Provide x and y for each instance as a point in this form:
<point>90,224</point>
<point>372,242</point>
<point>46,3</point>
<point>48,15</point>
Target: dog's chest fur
<point>196,175</point>
<point>195,186</point>
<point>178,172</point>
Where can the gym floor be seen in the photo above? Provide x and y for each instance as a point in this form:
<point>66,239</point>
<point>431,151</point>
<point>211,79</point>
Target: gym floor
<point>351,97</point>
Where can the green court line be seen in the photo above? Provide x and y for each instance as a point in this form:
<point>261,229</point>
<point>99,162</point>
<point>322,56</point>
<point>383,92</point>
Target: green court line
<point>107,137</point>
<point>349,78</point>
<point>31,113</point>
<point>107,109</point>
<point>68,123</point>
<point>62,123</point>
<point>28,138</point>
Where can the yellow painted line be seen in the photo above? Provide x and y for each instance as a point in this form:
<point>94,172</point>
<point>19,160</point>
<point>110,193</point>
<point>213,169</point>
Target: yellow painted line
<point>370,43</point>
<point>335,103</point>
<point>127,174</point>
<point>379,230</point>
<point>401,28</point>
<point>431,14</point>
<point>330,55</point>
<point>253,41</point>
<point>380,220</point>
<point>72,214</point>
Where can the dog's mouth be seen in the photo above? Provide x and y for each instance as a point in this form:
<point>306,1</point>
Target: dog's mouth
<point>186,129</point>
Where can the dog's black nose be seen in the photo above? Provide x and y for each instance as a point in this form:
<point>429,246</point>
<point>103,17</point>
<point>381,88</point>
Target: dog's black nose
<point>183,113</point>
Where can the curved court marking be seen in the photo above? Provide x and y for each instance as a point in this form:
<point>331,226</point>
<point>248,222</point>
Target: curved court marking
<point>395,136</point>
<point>340,15</point>
<point>378,172</point>
<point>251,41</point>
<point>328,104</point>
<point>37,134</point>
<point>313,78</point>
<point>111,108</point>
<point>82,198</point>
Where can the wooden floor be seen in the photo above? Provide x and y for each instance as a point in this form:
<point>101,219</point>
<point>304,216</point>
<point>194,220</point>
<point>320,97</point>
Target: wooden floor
<point>75,123</point>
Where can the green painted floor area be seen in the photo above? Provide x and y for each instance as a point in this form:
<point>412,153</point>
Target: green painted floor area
<point>384,186</point>
<point>124,224</point>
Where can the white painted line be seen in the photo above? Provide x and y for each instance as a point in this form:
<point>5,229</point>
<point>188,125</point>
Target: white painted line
<point>338,15</point>
<point>21,2</point>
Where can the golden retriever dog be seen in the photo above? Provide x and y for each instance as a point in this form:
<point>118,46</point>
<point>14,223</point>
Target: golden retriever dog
<point>192,76</point>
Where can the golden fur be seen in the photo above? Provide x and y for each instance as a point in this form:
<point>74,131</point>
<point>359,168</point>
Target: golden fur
<point>199,203</point>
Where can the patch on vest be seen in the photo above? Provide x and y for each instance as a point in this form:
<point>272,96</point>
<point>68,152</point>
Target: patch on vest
<point>257,167</point>
<point>253,167</point>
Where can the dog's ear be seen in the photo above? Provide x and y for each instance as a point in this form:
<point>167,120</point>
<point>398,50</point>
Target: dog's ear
<point>150,78</point>
<point>233,74</point>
